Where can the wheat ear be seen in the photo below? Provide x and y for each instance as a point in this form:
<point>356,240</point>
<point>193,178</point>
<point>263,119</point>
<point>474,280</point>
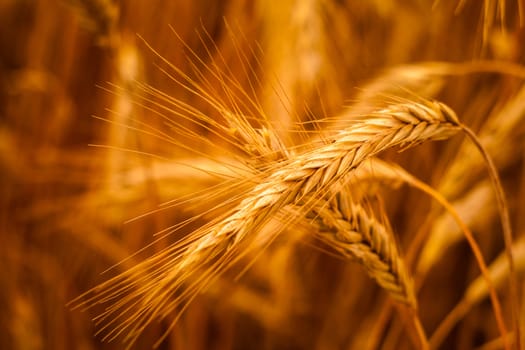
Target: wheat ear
<point>390,174</point>
<point>470,238</point>
<point>348,228</point>
<point>156,284</point>
<point>315,172</point>
<point>341,223</point>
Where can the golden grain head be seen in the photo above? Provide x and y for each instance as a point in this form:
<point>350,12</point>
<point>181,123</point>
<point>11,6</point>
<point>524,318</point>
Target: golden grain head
<point>311,174</point>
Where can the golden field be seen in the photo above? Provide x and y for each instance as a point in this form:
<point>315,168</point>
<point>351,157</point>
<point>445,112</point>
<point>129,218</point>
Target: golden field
<point>312,174</point>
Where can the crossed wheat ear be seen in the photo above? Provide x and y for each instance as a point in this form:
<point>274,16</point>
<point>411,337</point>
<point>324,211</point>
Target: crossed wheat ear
<point>310,182</point>
<point>158,286</point>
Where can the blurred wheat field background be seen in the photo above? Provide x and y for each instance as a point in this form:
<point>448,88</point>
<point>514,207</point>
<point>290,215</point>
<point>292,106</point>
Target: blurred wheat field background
<point>261,174</point>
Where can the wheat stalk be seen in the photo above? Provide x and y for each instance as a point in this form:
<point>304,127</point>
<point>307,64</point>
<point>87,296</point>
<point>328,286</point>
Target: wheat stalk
<point>445,232</point>
<point>504,124</point>
<point>478,290</point>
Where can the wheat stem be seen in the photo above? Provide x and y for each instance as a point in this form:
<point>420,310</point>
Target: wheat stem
<point>507,232</point>
<point>475,249</point>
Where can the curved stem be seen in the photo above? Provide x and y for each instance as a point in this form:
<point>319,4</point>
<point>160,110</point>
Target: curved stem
<point>507,231</point>
<point>474,246</point>
<point>420,332</point>
<point>447,324</point>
